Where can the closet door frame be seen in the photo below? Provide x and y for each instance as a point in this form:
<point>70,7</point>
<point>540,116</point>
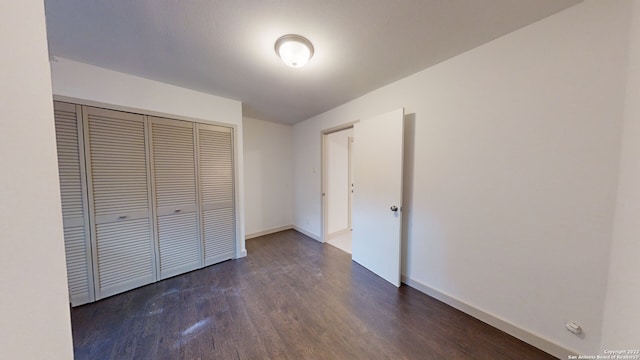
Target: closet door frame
<point>153,216</point>
<point>240,250</point>
<point>196,159</point>
<point>85,201</point>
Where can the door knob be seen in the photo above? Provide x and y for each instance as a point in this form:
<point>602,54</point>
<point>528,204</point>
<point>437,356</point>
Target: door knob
<point>394,208</point>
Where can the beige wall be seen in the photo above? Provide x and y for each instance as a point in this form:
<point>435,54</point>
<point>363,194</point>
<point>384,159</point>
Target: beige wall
<point>622,311</point>
<point>34,305</point>
<point>269,180</point>
<point>511,187</point>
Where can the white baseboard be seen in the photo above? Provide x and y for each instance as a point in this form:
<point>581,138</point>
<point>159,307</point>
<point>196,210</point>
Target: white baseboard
<point>339,232</point>
<point>309,234</point>
<point>513,330</point>
<point>267,232</point>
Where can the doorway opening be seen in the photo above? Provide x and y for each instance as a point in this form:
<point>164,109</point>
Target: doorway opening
<point>378,158</point>
<point>337,186</point>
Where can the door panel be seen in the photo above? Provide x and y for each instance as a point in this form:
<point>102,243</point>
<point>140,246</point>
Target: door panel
<point>179,244</point>
<point>119,198</point>
<point>68,122</point>
<point>215,160</point>
<point>377,172</point>
<point>125,256</point>
<point>174,183</point>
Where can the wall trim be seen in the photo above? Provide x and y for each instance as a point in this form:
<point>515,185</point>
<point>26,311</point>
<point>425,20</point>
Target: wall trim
<point>308,233</point>
<point>339,232</point>
<point>501,324</point>
<point>340,127</point>
<point>136,110</point>
<point>268,231</point>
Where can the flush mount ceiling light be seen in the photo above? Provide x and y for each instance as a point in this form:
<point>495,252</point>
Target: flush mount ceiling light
<point>294,50</point>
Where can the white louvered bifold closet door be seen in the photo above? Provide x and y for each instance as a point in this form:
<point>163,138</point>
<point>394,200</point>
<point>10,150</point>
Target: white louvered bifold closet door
<point>215,160</point>
<point>174,184</point>
<point>68,121</point>
<point>119,194</point>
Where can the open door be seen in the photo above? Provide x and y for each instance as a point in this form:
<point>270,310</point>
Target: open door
<point>377,197</point>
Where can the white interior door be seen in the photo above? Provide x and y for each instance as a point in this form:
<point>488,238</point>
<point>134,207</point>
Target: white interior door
<point>377,197</point>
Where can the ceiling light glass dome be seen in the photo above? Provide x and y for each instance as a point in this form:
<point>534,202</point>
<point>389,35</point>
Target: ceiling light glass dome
<point>294,50</point>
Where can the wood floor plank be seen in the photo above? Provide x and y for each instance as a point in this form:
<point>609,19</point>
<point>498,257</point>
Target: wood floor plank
<point>290,298</point>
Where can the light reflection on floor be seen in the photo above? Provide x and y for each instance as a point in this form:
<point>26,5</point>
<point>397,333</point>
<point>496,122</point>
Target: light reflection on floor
<point>191,332</point>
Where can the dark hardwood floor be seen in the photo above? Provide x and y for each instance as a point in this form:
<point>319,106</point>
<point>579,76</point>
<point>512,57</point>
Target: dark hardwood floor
<point>291,298</point>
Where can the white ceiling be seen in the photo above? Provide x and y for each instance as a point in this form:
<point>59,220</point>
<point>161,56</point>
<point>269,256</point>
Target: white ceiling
<point>225,47</point>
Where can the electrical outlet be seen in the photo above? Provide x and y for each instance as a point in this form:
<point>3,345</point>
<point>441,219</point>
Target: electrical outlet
<point>573,327</point>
